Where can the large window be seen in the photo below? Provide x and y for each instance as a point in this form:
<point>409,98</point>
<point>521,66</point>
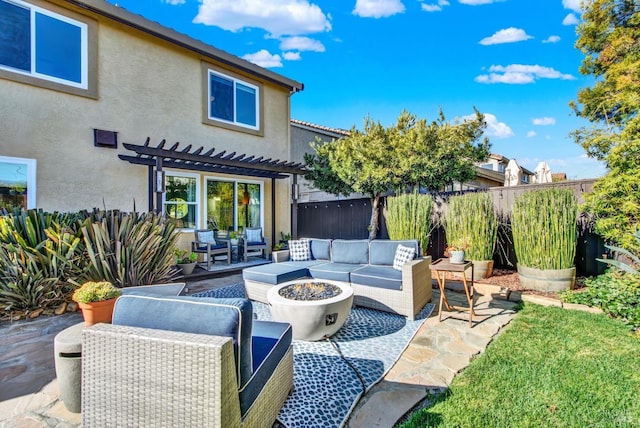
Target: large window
<point>39,43</point>
<point>233,205</point>
<point>233,101</point>
<point>181,200</point>
<point>17,182</point>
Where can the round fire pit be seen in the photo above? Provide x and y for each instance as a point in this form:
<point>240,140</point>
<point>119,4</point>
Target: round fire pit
<point>314,309</point>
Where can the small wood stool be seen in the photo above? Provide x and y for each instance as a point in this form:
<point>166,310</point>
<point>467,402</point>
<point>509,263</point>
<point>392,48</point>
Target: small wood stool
<point>441,267</point>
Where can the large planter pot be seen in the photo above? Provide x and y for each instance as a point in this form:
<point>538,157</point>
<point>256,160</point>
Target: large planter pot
<point>187,268</point>
<point>482,269</point>
<point>552,280</point>
<point>96,312</point>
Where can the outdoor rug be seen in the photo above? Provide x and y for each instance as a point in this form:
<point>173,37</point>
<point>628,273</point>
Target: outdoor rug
<point>330,376</point>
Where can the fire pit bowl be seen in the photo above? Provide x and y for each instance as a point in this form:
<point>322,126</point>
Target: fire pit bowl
<point>314,309</point>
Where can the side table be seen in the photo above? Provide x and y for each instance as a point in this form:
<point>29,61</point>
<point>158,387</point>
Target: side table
<point>441,267</point>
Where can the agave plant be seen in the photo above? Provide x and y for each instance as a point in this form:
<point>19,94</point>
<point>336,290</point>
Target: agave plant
<point>635,260</point>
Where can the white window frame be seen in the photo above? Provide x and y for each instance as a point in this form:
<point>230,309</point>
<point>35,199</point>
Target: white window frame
<point>84,72</point>
<point>31,177</point>
<point>197,203</point>
<point>234,81</point>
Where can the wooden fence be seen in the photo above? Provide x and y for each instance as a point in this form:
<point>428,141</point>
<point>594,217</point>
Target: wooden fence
<point>348,219</point>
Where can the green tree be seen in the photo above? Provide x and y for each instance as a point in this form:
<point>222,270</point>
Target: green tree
<point>409,155</point>
<point>609,36</point>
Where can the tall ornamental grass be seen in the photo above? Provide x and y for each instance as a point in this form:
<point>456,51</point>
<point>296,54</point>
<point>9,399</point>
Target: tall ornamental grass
<point>544,228</point>
<point>408,216</point>
<point>472,217</point>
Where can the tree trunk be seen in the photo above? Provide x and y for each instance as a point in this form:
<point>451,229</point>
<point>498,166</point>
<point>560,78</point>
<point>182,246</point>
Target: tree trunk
<point>375,216</point>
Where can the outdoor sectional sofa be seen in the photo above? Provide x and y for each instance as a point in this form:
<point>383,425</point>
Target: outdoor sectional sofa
<point>185,361</point>
<point>366,265</point>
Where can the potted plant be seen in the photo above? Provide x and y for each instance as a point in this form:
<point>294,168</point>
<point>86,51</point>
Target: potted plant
<point>284,240</point>
<point>233,237</point>
<point>408,216</point>
<point>544,229</point>
<point>456,250</point>
<point>280,253</point>
<point>473,216</point>
<point>96,299</point>
<point>186,260</point>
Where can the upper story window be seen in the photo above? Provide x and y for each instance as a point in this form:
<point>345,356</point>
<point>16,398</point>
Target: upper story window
<point>232,102</point>
<point>43,44</point>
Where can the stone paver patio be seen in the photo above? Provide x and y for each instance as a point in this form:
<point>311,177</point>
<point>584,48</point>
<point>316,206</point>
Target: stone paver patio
<point>440,350</point>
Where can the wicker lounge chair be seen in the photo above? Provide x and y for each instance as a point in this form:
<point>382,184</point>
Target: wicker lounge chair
<point>148,373</point>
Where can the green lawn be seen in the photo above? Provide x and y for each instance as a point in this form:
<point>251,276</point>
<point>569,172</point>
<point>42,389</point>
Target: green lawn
<point>551,367</point>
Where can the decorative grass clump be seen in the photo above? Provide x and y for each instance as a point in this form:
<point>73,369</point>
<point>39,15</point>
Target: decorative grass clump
<point>408,216</point>
<point>551,367</point>
<point>544,228</point>
<point>472,217</point>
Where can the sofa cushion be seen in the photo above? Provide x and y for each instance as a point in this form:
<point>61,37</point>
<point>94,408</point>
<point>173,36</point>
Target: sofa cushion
<point>253,235</point>
<point>403,255</point>
<point>377,276</point>
<point>320,249</point>
<point>220,317</point>
<point>383,251</point>
<point>333,271</point>
<point>275,273</point>
<point>299,250</point>
<point>305,263</point>
<point>270,343</point>
<point>350,251</point>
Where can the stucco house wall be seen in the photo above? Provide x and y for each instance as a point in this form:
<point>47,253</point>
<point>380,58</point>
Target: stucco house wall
<point>146,87</point>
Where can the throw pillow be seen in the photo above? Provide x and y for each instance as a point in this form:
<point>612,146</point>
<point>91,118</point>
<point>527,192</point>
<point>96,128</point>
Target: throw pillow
<point>253,235</point>
<point>206,237</point>
<point>299,250</point>
<point>403,255</point>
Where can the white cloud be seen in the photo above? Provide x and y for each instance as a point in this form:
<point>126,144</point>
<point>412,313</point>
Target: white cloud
<point>551,39</point>
<point>531,134</point>
<point>544,121</point>
<point>520,74</point>
<point>572,4</point>
<point>495,128</point>
<point>378,8</point>
<point>175,2</point>
<point>570,20</point>
<point>476,2</point>
<point>264,59</point>
<point>301,44</point>
<point>284,17</point>
<point>508,35</point>
<point>434,7</point>
<point>291,56</point>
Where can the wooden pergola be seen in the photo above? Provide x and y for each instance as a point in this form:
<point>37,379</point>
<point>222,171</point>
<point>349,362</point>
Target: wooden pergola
<point>160,157</point>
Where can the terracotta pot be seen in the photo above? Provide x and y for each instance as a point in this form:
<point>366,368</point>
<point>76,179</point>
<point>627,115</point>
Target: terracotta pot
<point>96,312</point>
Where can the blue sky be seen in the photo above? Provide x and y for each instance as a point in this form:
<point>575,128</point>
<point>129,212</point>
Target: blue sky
<point>514,60</point>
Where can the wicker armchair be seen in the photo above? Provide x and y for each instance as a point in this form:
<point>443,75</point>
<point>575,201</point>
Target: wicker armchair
<point>163,376</point>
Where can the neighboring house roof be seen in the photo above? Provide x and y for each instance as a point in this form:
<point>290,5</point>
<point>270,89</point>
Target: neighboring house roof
<point>121,15</point>
<point>559,176</point>
<point>333,132</point>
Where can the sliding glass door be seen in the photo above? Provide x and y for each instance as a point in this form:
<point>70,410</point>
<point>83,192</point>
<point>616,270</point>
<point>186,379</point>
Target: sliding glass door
<point>233,205</point>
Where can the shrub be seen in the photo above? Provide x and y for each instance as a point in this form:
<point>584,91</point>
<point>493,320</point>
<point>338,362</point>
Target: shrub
<point>473,218</point>
<point>544,228</point>
<point>409,217</point>
<point>616,293</point>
